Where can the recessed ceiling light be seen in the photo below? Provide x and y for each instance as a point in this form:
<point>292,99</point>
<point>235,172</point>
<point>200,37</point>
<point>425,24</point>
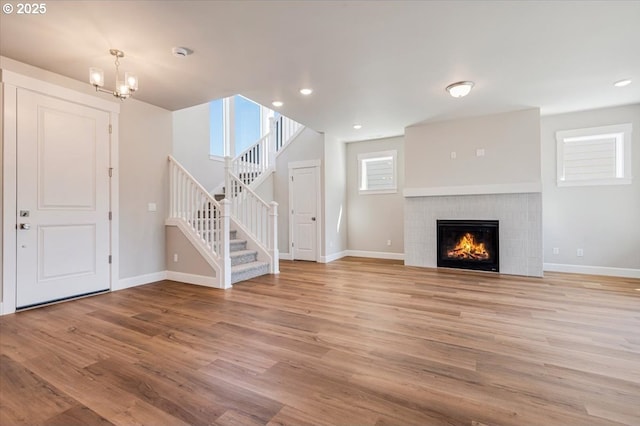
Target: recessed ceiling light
<point>306,91</point>
<point>460,89</point>
<point>357,126</point>
<point>277,104</point>
<point>622,83</point>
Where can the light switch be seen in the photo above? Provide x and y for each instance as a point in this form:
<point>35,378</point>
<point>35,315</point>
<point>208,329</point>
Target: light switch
<point>152,207</point>
<point>480,152</point>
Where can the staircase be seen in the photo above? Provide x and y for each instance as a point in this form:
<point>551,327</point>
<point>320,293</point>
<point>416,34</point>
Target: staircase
<point>235,233</point>
<point>244,262</point>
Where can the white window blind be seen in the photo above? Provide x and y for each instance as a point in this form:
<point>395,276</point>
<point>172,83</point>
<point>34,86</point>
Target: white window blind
<point>594,156</point>
<point>377,172</point>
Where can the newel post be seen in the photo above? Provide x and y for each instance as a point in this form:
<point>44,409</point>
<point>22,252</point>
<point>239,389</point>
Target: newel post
<point>225,279</point>
<point>228,164</point>
<point>273,241</point>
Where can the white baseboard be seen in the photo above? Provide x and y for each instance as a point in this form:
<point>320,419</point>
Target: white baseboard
<point>592,270</point>
<point>332,257</point>
<point>202,280</point>
<point>140,280</point>
<point>285,256</point>
<point>375,254</point>
<point>2,310</point>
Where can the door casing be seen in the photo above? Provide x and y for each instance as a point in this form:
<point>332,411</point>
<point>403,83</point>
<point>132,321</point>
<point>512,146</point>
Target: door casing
<point>299,165</point>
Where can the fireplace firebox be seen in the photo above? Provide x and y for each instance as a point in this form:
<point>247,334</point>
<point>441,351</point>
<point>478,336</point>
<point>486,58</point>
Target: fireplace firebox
<point>468,244</point>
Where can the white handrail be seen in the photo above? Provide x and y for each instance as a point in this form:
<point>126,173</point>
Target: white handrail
<point>251,211</point>
<point>260,156</point>
<point>191,203</point>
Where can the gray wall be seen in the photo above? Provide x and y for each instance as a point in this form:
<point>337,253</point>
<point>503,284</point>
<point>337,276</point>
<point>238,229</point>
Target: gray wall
<point>191,140</point>
<point>309,145</point>
<point>512,151</point>
<point>190,261</point>
<point>334,196</point>
<point>145,143</point>
<point>375,218</point>
<point>602,220</point>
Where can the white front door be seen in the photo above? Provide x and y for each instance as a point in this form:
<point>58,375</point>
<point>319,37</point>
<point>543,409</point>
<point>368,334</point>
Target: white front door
<point>62,199</point>
<point>304,213</point>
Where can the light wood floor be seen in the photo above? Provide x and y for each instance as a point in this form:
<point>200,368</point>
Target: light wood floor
<point>353,342</point>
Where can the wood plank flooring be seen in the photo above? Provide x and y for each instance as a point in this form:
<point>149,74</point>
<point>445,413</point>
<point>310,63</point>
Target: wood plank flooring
<point>353,342</point>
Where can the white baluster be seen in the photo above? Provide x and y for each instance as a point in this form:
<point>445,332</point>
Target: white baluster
<point>225,251</point>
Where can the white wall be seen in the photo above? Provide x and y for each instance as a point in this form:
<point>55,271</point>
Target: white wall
<point>309,145</point>
<point>375,218</point>
<point>335,198</point>
<point>512,151</point>
<point>602,220</point>
<point>191,140</point>
<point>145,144</point>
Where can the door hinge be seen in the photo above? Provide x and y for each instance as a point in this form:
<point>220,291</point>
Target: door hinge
<point>109,259</point>
<point>291,244</point>
<point>110,129</point>
<point>110,215</point>
<point>110,171</point>
<point>291,211</point>
<point>291,178</point>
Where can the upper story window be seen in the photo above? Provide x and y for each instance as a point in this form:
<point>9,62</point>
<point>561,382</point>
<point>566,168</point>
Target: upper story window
<point>377,172</point>
<point>594,156</point>
<point>236,123</point>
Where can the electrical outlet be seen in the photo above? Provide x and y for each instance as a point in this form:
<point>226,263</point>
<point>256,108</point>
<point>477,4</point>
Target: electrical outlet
<point>175,257</point>
<point>453,155</point>
<point>556,250</point>
<point>480,152</point>
<point>580,252</point>
<point>152,207</point>
<point>389,242</point>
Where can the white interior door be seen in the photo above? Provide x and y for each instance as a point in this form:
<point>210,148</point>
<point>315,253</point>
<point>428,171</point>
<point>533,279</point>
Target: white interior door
<point>304,213</point>
<point>62,199</point>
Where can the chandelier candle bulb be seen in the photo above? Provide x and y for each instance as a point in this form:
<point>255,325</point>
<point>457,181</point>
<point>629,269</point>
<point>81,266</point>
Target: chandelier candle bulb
<point>96,77</point>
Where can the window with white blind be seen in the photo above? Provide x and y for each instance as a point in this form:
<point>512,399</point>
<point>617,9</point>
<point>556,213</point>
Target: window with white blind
<point>377,172</point>
<point>594,156</point>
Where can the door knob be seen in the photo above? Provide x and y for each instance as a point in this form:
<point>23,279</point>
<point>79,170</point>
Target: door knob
<point>313,219</point>
<point>25,226</point>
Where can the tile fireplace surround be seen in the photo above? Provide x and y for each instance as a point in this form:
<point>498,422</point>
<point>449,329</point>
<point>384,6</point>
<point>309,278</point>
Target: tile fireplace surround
<point>520,217</point>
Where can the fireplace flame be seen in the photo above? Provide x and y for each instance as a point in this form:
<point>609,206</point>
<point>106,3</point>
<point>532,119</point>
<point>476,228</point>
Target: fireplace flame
<point>468,249</point>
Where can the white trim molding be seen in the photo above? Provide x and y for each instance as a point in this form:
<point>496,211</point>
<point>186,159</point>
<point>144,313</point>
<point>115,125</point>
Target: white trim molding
<point>193,279</point>
<point>374,254</point>
<point>285,256</point>
<point>332,257</point>
<point>138,280</point>
<point>508,188</point>
<point>592,270</point>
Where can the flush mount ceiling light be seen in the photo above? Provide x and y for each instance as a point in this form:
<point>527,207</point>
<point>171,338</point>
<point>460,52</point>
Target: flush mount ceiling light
<point>181,52</point>
<point>306,91</point>
<point>622,83</point>
<point>124,87</point>
<point>277,104</point>
<point>460,89</point>
<point>357,126</point>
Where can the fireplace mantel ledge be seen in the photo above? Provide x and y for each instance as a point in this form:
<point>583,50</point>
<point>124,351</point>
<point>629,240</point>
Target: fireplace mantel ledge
<point>439,191</point>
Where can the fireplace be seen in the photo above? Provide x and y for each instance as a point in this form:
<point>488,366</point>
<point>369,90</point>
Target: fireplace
<point>468,244</point>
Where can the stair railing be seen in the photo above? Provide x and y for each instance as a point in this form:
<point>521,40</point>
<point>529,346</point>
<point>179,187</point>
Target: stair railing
<point>259,157</point>
<point>205,221</point>
<point>258,219</point>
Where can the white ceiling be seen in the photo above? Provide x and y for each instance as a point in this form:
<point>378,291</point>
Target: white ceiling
<point>383,64</point>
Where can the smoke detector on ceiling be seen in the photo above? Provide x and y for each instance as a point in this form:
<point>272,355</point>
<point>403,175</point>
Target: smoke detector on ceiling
<point>181,52</point>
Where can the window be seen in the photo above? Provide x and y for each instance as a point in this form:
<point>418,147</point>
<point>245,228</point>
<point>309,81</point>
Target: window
<point>236,123</point>
<point>216,130</point>
<point>377,172</point>
<point>594,156</point>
